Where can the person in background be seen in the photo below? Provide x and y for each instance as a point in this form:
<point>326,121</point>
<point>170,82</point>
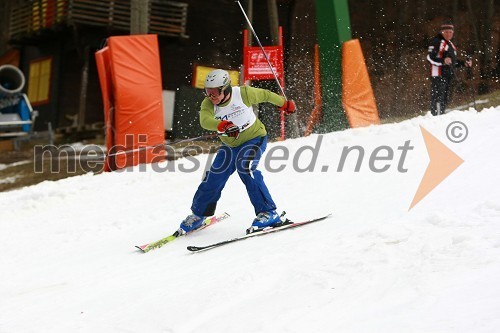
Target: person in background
<point>228,110</point>
<point>442,55</point>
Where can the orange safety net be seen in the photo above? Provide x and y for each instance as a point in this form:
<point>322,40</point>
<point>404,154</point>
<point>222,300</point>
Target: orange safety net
<point>357,94</point>
<point>130,76</point>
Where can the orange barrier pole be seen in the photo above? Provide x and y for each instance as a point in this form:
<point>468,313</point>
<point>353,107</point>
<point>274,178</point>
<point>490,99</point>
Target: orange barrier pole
<point>357,94</point>
<point>104,71</point>
<point>316,113</point>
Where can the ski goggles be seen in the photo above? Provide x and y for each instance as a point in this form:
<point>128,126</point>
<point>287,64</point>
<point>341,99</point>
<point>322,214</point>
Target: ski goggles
<point>214,92</point>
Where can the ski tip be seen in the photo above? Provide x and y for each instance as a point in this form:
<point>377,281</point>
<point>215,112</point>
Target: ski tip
<point>142,247</point>
<point>193,248</point>
<point>324,217</point>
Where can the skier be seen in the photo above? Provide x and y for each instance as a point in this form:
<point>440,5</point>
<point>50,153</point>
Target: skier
<point>442,55</point>
<point>228,110</point>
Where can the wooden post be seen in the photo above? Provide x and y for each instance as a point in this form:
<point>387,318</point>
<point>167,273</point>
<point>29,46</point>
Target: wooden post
<point>250,17</point>
<point>139,17</point>
<point>272,8</point>
<point>83,89</point>
<point>4,25</point>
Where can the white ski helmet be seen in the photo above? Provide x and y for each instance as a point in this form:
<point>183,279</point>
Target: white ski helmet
<point>218,78</point>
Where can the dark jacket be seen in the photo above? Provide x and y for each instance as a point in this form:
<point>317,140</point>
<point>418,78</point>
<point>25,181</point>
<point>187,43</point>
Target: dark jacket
<point>439,49</point>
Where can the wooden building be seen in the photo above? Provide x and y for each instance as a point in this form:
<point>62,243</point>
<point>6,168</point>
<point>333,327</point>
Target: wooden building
<point>55,41</point>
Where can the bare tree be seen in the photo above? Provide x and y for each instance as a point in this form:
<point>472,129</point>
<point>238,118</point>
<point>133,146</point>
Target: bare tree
<point>486,44</point>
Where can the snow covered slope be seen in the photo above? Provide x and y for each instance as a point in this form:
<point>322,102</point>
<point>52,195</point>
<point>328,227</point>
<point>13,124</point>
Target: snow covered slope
<point>68,262</point>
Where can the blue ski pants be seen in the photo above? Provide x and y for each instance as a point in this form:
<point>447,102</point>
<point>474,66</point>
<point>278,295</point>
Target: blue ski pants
<point>243,159</point>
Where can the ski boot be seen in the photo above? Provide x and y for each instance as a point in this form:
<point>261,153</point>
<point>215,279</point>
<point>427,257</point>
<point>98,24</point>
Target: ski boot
<point>265,220</point>
<point>191,223</point>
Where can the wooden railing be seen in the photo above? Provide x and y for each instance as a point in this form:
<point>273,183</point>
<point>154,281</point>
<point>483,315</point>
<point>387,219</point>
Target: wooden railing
<point>168,18</point>
<point>112,13</point>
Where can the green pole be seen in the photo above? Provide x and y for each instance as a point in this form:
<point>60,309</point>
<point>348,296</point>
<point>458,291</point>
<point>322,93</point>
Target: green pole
<point>333,28</point>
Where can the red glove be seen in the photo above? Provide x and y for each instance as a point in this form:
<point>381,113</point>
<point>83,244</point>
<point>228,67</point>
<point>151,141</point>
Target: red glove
<point>227,128</point>
<point>288,107</point>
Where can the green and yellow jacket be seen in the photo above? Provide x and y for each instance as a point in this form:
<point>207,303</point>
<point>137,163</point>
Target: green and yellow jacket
<point>249,96</point>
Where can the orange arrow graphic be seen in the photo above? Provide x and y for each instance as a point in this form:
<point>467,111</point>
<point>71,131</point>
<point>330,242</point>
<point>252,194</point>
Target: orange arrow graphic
<point>442,162</point>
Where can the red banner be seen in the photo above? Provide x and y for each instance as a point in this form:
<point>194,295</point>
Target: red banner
<point>256,65</point>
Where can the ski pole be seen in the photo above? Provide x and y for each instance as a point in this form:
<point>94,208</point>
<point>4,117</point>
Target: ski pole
<point>262,48</point>
<point>164,144</point>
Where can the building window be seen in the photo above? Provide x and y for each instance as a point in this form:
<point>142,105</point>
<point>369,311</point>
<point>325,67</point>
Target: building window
<point>39,81</point>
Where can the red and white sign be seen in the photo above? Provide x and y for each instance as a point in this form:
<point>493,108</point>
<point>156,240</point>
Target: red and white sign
<point>256,65</point>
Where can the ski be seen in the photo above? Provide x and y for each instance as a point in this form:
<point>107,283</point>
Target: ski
<point>159,243</point>
<point>287,224</point>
